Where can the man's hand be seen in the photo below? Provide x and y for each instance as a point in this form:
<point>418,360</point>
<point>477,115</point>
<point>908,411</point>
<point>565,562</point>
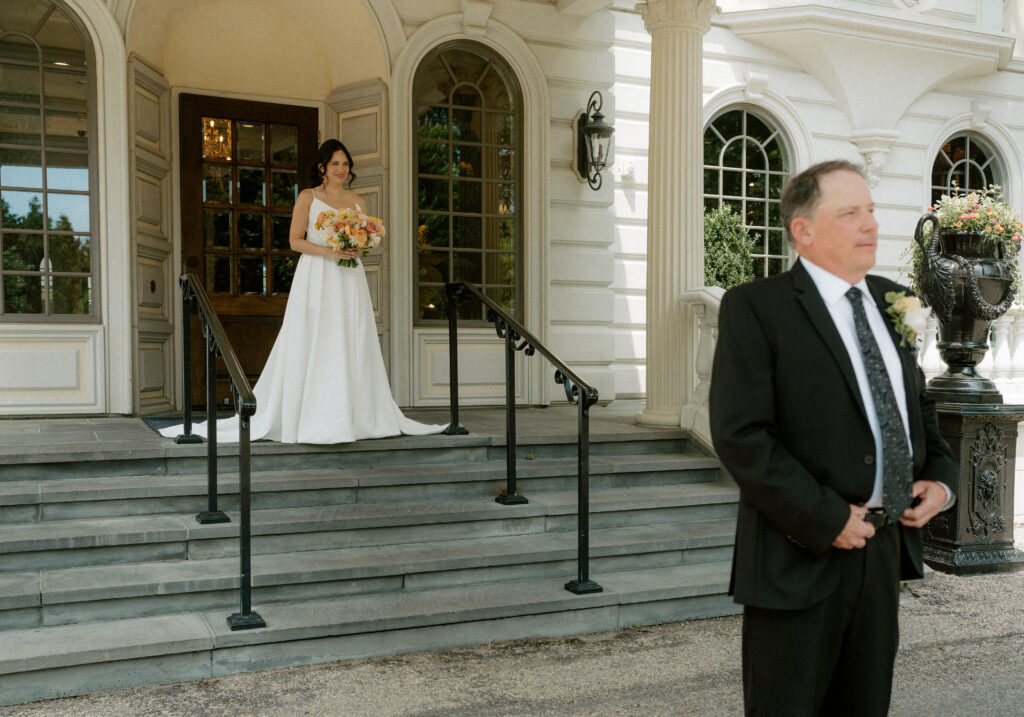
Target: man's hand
<point>857,531</point>
<point>932,496</point>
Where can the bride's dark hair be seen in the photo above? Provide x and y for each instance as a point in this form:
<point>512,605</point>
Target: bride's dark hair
<point>323,158</point>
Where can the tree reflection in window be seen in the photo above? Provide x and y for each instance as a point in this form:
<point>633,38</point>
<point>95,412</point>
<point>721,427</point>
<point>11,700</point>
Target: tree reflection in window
<point>46,232</point>
<point>745,166</point>
<point>468,136</point>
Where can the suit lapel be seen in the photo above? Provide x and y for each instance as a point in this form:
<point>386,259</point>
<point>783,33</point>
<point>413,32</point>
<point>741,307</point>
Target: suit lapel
<point>821,319</point>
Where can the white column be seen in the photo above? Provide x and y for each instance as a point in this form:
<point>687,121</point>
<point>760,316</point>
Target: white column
<point>675,218</point>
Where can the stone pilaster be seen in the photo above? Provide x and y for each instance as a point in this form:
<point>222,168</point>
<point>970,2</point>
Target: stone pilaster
<point>675,216</point>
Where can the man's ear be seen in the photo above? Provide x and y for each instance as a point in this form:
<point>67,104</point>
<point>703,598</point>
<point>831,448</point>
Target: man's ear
<point>800,230</point>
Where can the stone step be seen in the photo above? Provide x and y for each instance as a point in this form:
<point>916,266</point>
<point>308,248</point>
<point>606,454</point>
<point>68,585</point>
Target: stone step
<point>118,496</point>
<point>565,445</point>
<point>48,662</point>
<point>161,456</point>
<point>59,544</point>
<point>101,451</point>
<point>61,596</point>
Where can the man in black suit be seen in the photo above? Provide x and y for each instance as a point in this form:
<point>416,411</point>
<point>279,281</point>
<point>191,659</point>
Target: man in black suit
<point>818,411</point>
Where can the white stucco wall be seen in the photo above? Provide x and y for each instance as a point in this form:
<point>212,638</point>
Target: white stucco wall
<point>819,100</point>
<point>559,60</point>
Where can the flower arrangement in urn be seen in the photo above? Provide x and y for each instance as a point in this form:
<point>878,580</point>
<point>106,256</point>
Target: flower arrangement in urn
<point>985,214</point>
<point>966,269</point>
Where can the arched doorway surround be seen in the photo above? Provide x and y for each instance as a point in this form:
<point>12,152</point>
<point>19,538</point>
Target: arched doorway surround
<point>105,348</point>
<point>413,382</point>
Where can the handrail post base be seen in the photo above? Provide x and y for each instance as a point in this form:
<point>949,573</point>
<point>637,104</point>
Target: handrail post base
<point>583,587</point>
<point>252,621</point>
<point>212,516</point>
<point>454,429</point>
<point>192,438</point>
<point>514,499</point>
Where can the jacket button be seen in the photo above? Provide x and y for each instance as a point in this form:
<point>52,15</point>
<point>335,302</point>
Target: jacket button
<point>869,460</point>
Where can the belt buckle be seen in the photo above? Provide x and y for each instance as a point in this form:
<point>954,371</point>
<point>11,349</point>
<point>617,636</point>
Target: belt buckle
<point>878,518</point>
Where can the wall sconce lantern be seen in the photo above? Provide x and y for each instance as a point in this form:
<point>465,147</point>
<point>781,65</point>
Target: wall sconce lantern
<point>593,140</point>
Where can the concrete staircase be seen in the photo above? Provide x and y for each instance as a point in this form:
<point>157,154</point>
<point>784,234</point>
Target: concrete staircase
<point>372,548</point>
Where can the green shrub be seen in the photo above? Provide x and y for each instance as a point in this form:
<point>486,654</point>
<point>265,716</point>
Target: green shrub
<point>727,247</point>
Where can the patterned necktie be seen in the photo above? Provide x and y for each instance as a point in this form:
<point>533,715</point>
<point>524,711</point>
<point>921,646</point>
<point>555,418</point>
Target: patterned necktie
<point>896,467</point>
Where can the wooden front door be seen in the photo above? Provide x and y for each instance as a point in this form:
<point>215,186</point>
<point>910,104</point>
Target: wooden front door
<point>242,166</point>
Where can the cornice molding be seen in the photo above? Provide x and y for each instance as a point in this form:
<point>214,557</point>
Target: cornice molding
<point>788,24</point>
<point>841,47</point>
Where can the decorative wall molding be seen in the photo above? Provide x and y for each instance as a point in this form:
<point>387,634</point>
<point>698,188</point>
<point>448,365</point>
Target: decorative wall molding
<point>980,112</point>
<point>756,82</point>
<point>481,368</point>
<point>475,14</point>
<point>360,121</point>
<point>52,369</point>
<point>152,228</point>
<point>787,118</point>
<point>874,145</point>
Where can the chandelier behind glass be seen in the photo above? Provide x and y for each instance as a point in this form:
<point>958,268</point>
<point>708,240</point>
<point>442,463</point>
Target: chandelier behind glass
<point>216,138</point>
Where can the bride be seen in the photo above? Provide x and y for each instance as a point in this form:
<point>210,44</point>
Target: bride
<point>324,381</point>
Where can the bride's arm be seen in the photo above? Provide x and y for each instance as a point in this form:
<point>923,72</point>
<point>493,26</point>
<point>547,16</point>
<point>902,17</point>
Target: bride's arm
<point>297,234</point>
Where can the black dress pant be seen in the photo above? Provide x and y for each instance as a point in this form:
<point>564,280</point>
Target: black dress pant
<point>836,657</point>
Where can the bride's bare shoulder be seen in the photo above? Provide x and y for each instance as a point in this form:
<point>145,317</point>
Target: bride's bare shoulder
<point>355,201</point>
<point>305,198</point>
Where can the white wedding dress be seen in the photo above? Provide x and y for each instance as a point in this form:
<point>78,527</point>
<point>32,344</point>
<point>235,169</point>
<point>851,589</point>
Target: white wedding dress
<point>324,381</point>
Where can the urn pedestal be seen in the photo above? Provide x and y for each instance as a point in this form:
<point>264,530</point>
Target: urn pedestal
<point>976,535</point>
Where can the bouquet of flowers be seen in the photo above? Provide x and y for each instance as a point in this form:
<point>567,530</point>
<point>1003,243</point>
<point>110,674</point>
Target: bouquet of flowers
<point>351,229</point>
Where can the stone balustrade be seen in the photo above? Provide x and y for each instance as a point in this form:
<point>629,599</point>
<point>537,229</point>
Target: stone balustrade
<point>703,334</point>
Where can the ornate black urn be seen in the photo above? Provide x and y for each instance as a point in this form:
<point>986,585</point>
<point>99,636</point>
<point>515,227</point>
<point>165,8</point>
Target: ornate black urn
<point>965,279</point>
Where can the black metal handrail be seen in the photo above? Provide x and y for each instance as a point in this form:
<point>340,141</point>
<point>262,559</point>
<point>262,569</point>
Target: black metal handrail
<point>217,343</point>
<point>577,391</point>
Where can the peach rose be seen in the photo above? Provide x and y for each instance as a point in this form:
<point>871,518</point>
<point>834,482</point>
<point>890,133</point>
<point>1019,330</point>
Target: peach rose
<point>323,219</point>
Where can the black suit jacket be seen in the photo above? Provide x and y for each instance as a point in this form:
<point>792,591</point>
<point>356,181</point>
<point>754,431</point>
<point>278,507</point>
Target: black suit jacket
<point>789,424</point>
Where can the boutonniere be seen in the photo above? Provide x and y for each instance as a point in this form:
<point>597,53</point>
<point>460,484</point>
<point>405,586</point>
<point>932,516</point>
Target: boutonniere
<point>908,316</point>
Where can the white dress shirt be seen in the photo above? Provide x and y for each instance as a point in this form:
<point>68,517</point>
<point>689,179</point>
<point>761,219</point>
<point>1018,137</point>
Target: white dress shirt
<point>833,292</point>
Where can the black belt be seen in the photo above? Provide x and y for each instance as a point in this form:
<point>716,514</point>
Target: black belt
<point>878,518</point>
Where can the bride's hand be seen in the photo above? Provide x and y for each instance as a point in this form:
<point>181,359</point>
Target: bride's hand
<point>339,253</point>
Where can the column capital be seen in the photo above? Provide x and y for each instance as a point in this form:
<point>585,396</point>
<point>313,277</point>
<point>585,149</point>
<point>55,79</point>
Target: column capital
<point>685,14</point>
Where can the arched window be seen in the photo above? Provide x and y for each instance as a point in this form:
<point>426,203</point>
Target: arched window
<point>745,166</point>
<point>964,162</point>
<point>48,263</point>
<point>468,115</point>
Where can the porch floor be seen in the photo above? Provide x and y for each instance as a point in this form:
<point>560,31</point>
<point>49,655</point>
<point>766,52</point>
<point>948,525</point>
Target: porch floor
<point>60,439</point>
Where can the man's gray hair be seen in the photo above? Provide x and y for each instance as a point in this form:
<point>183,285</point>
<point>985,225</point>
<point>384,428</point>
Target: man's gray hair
<point>801,194</point>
